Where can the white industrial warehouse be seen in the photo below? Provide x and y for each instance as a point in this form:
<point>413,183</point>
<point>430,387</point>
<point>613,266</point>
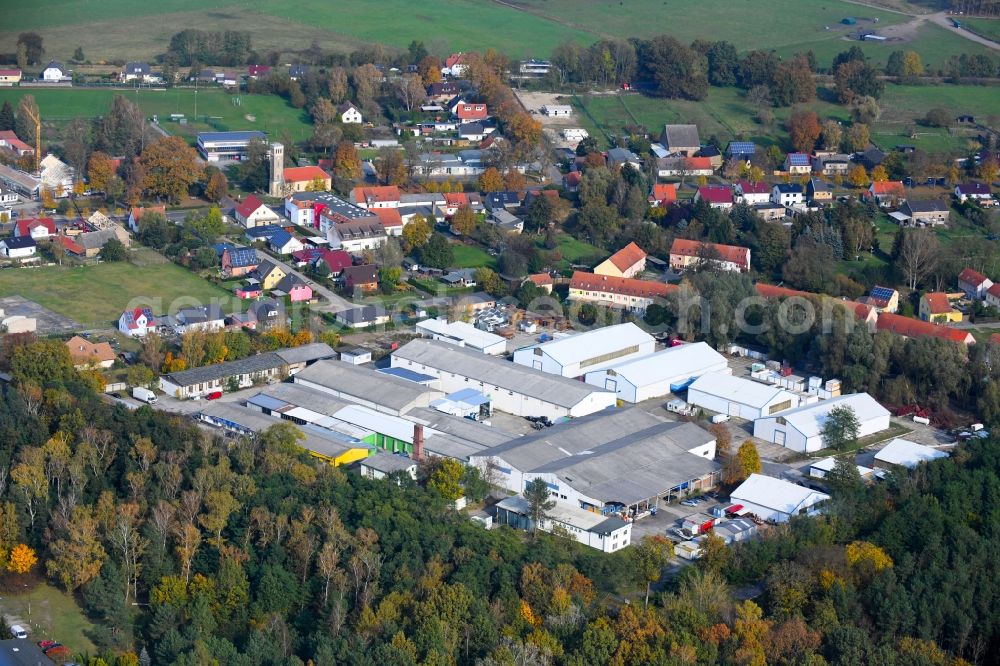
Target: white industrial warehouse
<point>801,429</point>
<point>575,355</point>
<point>735,396</point>
<point>511,388</point>
<point>776,500</point>
<point>463,335</point>
<point>659,374</point>
<point>904,453</point>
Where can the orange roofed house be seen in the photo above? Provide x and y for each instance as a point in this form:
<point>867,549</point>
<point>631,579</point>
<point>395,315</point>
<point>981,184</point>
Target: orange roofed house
<point>617,292</point>
<point>626,262</point>
<point>663,195</point>
<point>87,354</point>
<point>887,193</point>
<point>136,214</point>
<point>301,179</point>
<point>386,196</point>
<point>935,307</point>
<point>685,253</point>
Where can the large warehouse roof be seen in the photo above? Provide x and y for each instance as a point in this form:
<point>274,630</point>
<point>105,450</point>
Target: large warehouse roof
<point>582,346</point>
<point>908,454</point>
<point>736,389</point>
<point>680,361</point>
<point>776,494</point>
<point>364,384</point>
<point>498,372</point>
<point>620,456</point>
<point>809,419</point>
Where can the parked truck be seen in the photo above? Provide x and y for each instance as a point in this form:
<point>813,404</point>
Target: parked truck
<point>144,395</point>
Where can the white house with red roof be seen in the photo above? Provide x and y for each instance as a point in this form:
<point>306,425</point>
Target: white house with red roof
<point>992,296</point>
<point>752,193</point>
<point>10,77</point>
<point>386,196</point>
<point>974,283</point>
<point>454,65</point>
<point>391,220</point>
<point>717,196</point>
<point>887,193</point>
<point>35,227</point>
<point>663,194</point>
<point>470,112</point>
<point>252,212</point>
<point>137,322</point>
<point>10,141</point>
<point>684,253</point>
<point>137,212</point>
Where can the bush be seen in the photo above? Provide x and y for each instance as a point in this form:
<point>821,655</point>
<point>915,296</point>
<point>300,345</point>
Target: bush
<point>938,117</point>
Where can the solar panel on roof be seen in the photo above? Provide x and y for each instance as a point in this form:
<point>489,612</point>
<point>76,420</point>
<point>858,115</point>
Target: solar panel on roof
<point>881,293</point>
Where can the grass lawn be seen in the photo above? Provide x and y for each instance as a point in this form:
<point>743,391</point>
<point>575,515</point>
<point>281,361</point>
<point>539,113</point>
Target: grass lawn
<point>575,251</point>
<point>119,29</point>
<point>97,295</point>
<point>986,27</point>
<point>726,114</point>
<point>470,256</point>
<point>216,108</point>
<point>54,616</point>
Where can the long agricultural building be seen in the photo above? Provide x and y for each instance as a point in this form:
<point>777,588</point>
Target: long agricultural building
<point>245,372</point>
<point>512,388</point>
<point>659,374</point>
<point>623,461</point>
<point>575,355</point>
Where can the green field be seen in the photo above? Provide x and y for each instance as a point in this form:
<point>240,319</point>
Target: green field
<point>270,113</point>
<point>986,27</point>
<point>96,295</point>
<point>52,615</point>
<point>118,29</point>
<point>726,114</point>
<point>470,256</point>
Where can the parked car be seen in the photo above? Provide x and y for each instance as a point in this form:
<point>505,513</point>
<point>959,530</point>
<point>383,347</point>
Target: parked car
<point>17,631</point>
<point>214,395</point>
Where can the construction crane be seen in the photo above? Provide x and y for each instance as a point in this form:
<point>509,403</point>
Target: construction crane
<point>35,117</point>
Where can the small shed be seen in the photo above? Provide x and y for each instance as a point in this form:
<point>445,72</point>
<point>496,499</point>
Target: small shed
<point>849,20</point>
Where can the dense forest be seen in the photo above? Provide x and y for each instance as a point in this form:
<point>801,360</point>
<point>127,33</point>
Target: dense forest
<point>189,549</point>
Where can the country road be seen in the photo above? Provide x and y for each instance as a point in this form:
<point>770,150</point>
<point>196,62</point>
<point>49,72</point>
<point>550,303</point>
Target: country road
<point>943,20</point>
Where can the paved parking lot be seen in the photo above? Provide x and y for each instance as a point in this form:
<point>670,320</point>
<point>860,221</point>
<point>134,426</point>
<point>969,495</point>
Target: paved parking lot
<point>48,322</point>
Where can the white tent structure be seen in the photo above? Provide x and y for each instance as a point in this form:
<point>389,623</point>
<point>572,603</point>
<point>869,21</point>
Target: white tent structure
<point>776,500</point>
<point>659,374</point>
<point>735,396</point>
<point>801,429</point>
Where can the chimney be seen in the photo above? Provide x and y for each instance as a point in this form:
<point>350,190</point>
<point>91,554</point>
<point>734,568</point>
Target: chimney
<point>418,442</point>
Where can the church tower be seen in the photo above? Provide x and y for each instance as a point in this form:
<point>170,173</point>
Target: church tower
<point>277,170</point>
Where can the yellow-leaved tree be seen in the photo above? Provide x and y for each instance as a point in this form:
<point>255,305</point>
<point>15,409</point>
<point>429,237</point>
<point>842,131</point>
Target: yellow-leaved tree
<point>22,559</point>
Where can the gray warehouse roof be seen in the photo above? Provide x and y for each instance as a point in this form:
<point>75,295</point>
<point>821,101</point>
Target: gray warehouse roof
<point>387,463</point>
<point>303,396</point>
<point>365,385</point>
<point>473,431</point>
<point>621,456</point>
<point>307,353</point>
<point>210,373</point>
<point>481,367</point>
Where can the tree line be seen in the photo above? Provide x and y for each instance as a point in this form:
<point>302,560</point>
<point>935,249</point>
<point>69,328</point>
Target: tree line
<point>185,548</point>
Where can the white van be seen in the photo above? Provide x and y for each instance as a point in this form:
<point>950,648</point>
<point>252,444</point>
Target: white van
<point>17,631</point>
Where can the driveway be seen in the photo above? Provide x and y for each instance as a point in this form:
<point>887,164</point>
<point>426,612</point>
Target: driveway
<point>334,302</point>
<point>943,20</point>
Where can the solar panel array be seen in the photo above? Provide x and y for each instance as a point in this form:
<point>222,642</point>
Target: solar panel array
<point>881,293</point>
